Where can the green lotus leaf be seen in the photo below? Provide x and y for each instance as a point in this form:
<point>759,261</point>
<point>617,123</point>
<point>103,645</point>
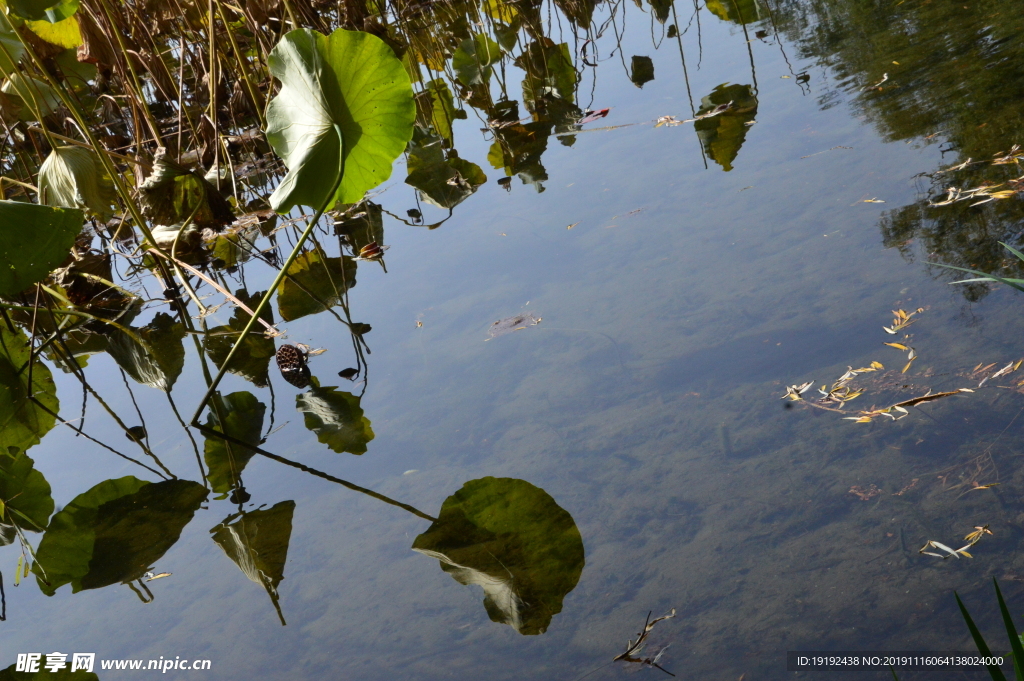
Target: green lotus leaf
<point>23,423</point>
<point>39,10</point>
<point>442,182</point>
<point>74,177</point>
<point>736,11</point>
<point>345,106</point>
<point>243,420</point>
<point>12,46</point>
<point>38,98</point>
<point>641,71</point>
<point>549,72</point>
<point>64,33</point>
<point>257,542</point>
<point>43,674</point>
<point>473,59</point>
<point>25,493</point>
<point>252,361</point>
<point>513,540</point>
<point>34,239</point>
<point>115,532</point>
<point>724,134</point>
<point>314,284</point>
<point>336,418</point>
<point>159,361</point>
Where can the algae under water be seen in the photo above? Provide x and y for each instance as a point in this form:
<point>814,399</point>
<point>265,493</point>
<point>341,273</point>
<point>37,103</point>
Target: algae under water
<point>448,507</point>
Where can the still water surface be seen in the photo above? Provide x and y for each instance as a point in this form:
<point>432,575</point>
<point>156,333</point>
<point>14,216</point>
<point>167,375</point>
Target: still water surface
<point>643,412</point>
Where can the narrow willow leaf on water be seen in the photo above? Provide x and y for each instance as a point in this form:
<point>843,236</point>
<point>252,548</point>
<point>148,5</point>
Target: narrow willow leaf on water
<point>513,540</point>
<point>898,346</point>
<point>336,418</point>
<point>26,492</point>
<point>48,10</point>
<point>17,571</point>
<point>345,107</point>
<point>34,240</point>
<point>73,177</point>
<point>159,362</point>
<point>473,59</point>
<point>243,420</point>
<point>314,284</point>
<point>23,423</point>
<point>114,532</point>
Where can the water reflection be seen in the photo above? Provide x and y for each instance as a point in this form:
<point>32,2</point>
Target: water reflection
<point>723,135</point>
<point>514,541</point>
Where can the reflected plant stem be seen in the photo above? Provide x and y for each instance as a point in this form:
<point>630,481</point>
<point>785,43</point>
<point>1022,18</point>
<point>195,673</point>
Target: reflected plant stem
<point>750,51</point>
<point>686,77</point>
<point>138,411</point>
<point>139,594</point>
<point>195,446</point>
<point>700,42</point>
<point>3,600</point>
<point>320,474</point>
<point>273,410</point>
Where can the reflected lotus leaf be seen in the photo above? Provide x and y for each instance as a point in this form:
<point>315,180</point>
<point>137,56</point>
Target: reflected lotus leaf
<point>114,532</point>
<point>336,418</point>
<point>23,423</point>
<point>472,61</point>
<point>252,361</point>
<point>662,10</point>
<point>641,71</point>
<point>43,674</point>
<point>46,10</point>
<point>257,542</point>
<point>172,193</point>
<point>158,363</point>
<point>34,239</point>
<point>314,284</point>
<point>580,12</point>
<point>514,541</point>
<point>363,228</point>
<point>243,420</point>
<point>436,108</point>
<point>443,182</point>
<point>25,493</point>
<point>37,97</point>
<point>8,533</point>
<point>723,135</point>
<point>518,147</point>
<point>13,49</point>
<point>549,70</point>
<point>508,36</point>
<point>736,11</point>
<point>234,248</point>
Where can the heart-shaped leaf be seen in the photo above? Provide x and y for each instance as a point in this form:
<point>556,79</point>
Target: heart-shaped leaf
<point>24,494</point>
<point>345,106</point>
<point>23,423</point>
<point>34,239</point>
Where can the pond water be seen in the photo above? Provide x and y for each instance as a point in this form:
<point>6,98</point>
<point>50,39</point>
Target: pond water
<point>621,441</point>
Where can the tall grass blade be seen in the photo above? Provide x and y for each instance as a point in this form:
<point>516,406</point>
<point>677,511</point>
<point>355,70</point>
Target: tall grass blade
<point>1011,631</point>
<point>995,672</point>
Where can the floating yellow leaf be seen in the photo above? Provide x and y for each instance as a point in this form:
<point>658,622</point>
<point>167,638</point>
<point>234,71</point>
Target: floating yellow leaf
<point>898,346</point>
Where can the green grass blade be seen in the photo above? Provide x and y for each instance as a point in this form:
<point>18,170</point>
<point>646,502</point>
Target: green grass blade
<point>1011,632</point>
<point>993,277</point>
<point>995,672</point>
<point>895,678</point>
<point>1013,250</point>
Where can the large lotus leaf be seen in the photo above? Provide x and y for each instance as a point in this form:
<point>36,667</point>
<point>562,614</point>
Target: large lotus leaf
<point>336,418</point>
<point>473,59</point>
<point>26,494</point>
<point>172,193</point>
<point>252,361</point>
<point>243,420</point>
<point>724,134</point>
<point>23,423</point>
<point>442,182</point>
<point>47,10</point>
<point>44,674</point>
<point>512,539</point>
<point>345,106</point>
<point>114,533</point>
<point>74,177</point>
<point>65,33</point>
<point>34,239</point>
<point>314,284</point>
<point>159,361</point>
<point>257,542</point>
<point>13,49</point>
<point>641,70</point>
<point>39,99</point>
